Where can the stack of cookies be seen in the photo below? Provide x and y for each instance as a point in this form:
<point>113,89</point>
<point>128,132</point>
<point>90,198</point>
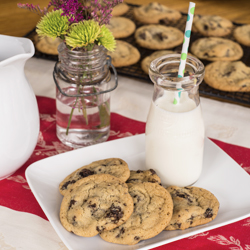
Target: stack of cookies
<point>105,198</point>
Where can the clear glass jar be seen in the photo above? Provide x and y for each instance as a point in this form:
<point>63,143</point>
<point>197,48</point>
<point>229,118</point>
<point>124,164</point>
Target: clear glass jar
<point>175,128</point>
<point>83,92</point>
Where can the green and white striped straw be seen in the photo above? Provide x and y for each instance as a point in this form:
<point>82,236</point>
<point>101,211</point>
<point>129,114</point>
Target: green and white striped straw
<point>184,50</point>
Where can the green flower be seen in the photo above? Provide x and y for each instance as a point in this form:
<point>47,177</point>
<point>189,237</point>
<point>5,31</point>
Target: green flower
<point>83,34</point>
<point>106,39</point>
<point>53,25</point>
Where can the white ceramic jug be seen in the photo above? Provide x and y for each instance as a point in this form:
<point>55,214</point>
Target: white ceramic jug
<point>19,116</point>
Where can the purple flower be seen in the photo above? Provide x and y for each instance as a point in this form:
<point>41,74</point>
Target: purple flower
<point>34,8</point>
<point>79,10</point>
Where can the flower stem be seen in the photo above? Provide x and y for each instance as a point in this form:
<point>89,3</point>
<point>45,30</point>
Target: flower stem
<point>70,117</point>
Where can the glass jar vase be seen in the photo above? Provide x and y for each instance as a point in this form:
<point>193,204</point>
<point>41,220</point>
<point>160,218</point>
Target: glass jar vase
<point>175,127</point>
<point>83,89</point>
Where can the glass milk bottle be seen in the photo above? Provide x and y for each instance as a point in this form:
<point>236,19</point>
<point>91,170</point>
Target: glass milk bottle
<point>175,129</point>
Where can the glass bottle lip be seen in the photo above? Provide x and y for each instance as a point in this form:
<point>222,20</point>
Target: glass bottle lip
<point>193,62</point>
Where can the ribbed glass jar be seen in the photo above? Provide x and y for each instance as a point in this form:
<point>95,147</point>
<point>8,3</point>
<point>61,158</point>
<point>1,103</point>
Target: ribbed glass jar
<point>83,92</point>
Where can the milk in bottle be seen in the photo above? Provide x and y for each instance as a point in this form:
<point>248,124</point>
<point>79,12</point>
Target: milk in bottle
<point>175,132</point>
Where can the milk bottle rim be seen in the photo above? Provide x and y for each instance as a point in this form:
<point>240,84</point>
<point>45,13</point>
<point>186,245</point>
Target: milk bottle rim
<point>160,71</point>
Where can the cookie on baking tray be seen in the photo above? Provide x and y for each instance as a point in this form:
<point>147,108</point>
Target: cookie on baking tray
<point>48,45</point>
<point>213,25</point>
<point>158,37</point>
<point>154,12</point>
<point>193,206</point>
<point>242,34</point>
<point>143,176</point>
<point>120,9</point>
<point>153,209</point>
<point>113,166</point>
<point>216,49</point>
<point>125,54</point>
<point>145,63</point>
<point>228,76</point>
<point>121,27</point>
<point>94,204</point>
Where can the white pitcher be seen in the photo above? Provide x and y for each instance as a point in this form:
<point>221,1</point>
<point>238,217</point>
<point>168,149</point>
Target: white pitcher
<point>19,116</point>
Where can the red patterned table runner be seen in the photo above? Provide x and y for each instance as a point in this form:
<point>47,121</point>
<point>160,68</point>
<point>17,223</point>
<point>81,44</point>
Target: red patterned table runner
<point>16,194</point>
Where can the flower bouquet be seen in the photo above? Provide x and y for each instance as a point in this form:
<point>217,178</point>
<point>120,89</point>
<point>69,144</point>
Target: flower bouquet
<point>82,74</point>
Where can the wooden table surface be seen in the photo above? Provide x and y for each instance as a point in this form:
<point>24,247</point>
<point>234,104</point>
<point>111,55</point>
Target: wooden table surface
<point>18,22</point>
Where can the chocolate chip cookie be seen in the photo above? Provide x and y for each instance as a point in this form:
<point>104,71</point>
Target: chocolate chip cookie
<point>125,54</point>
<point>113,166</point>
<point>153,209</point>
<point>193,206</point>
<point>213,25</point>
<point>143,176</point>
<point>48,45</point>
<point>154,12</point>
<point>120,9</point>
<point>216,49</point>
<point>157,37</point>
<point>145,63</point>
<point>242,34</point>
<point>121,27</point>
<point>228,76</point>
<point>95,204</point>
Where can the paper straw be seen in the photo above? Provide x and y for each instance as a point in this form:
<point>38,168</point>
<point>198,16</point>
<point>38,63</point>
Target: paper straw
<point>184,50</point>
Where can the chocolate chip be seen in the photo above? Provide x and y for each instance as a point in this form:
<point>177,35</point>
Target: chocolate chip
<point>115,213</point>
<point>132,180</point>
<point>153,181</point>
<point>65,185</point>
<point>209,213</point>
<point>72,202</point>
<point>137,197</point>
<point>86,172</point>
<point>136,238</point>
<point>139,171</point>
<point>205,27</point>
<point>100,229</point>
<point>120,233</point>
<point>184,196</point>
<point>178,224</point>
<point>243,86</point>
<point>161,36</point>
<point>227,74</point>
<point>142,36</point>
<point>92,205</point>
<point>152,171</point>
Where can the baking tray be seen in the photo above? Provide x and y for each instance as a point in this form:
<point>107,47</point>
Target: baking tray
<point>135,71</point>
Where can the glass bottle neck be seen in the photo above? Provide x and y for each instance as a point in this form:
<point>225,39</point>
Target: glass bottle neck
<point>83,67</point>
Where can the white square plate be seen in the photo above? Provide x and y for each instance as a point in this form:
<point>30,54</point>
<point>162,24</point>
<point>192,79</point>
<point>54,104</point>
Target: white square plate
<point>221,175</point>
